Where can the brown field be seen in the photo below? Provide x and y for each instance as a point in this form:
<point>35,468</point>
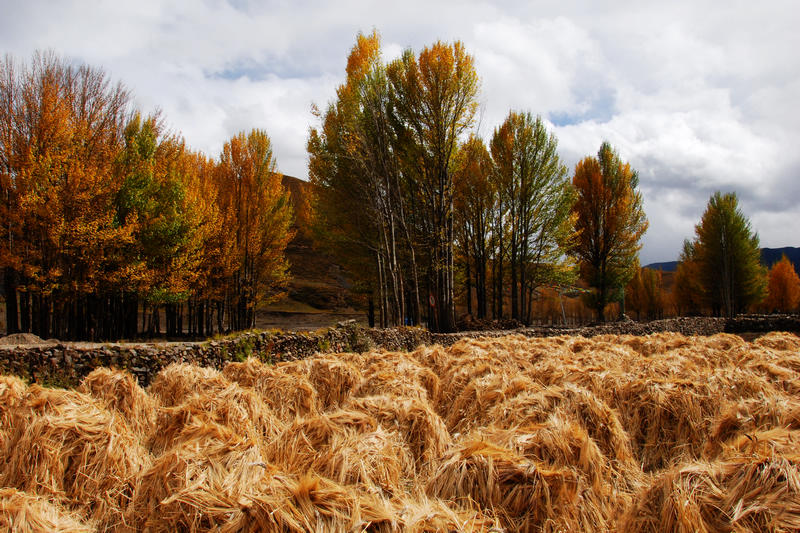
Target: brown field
<point>613,433</point>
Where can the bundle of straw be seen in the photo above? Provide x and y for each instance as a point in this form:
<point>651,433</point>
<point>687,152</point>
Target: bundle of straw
<point>21,512</point>
<point>523,494</point>
<point>67,446</point>
<point>245,373</point>
<point>779,341</point>
<point>240,409</point>
<point>422,429</point>
<point>12,390</point>
<point>419,514</point>
<point>748,492</point>
<point>471,408</point>
<point>299,445</point>
<point>179,381</point>
<point>310,503</point>
<point>459,372</point>
<point>569,402</point>
<point>667,421</point>
<point>120,392</point>
<point>399,374</point>
<point>750,415</point>
<point>378,460</point>
<point>287,394</point>
<point>200,484</point>
<point>560,444</point>
<point>333,379</point>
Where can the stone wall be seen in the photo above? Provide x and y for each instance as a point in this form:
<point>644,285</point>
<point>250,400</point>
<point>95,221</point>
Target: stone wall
<point>65,364</point>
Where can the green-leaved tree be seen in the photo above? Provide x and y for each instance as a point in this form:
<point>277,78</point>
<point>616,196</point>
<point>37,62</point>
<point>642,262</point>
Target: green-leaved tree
<point>726,251</point>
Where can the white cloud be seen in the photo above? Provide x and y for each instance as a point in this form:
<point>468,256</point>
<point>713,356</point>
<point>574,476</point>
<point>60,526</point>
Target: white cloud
<point>697,96</point>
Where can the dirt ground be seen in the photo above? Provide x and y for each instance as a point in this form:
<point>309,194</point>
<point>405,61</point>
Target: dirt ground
<point>305,321</point>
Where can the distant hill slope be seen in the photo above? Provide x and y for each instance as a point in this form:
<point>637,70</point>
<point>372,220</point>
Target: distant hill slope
<point>666,266</point>
<point>316,281</point>
<point>769,256</point>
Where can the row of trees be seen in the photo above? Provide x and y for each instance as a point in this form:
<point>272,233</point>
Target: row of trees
<point>413,204</point>
<point>105,214</point>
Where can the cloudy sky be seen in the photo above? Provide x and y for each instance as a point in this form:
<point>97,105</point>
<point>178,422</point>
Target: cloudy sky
<point>699,96</point>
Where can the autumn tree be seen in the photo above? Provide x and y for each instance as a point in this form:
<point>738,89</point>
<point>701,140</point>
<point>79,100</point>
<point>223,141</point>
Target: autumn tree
<point>474,199</point>
<point>532,183</point>
<point>728,258</point>
<point>688,292</point>
<point>360,199</point>
<point>383,159</point>
<point>258,217</point>
<point>434,97</point>
<point>783,287</point>
<point>610,224</point>
<point>644,294</point>
<point>60,128</point>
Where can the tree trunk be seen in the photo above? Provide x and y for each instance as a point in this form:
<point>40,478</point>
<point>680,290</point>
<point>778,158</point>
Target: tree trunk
<point>12,317</point>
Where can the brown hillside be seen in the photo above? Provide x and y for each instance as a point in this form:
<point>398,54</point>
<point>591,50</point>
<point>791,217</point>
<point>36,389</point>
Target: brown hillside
<point>316,281</point>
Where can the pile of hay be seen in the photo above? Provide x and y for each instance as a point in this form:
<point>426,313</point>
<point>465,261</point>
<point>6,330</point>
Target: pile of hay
<point>668,421</point>
<point>237,408</point>
<point>12,390</point>
<point>570,402</point>
<point>302,441</point>
<point>333,379</point>
<point>422,429</point>
<point>66,446</point>
<point>400,375</point>
<point>657,433</point>
<point>419,514</point>
<point>311,503</point>
<point>120,392</point>
<point>523,494</point>
<point>748,492</point>
<point>473,406</point>
<point>199,484</point>
<point>178,381</point>
<point>22,512</point>
<point>378,460</point>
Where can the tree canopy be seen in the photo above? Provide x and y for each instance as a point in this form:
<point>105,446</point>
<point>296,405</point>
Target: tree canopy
<point>726,257</point>
<point>783,287</point>
<point>610,223</point>
<point>106,216</point>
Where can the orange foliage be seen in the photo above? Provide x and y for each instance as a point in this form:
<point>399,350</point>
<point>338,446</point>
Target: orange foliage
<point>784,287</point>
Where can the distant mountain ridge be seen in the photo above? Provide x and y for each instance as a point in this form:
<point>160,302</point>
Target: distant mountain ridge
<point>769,256</point>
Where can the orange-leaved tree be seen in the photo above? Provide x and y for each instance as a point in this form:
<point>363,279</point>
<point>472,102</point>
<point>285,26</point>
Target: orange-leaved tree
<point>644,294</point>
<point>783,287</point>
<point>258,217</point>
<point>610,222</point>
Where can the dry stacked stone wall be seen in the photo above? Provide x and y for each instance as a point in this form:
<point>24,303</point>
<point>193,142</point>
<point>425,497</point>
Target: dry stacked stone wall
<point>65,364</point>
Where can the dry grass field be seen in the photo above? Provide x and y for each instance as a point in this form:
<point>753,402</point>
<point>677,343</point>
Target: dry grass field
<point>614,433</point>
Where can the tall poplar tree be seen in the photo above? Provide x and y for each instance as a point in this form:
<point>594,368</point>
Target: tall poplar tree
<point>610,222</point>
<point>533,184</point>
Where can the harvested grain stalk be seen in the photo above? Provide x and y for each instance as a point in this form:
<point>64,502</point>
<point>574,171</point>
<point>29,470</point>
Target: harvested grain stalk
<point>120,392</point>
<point>288,503</point>
<point>179,381</point>
<point>523,494</point>
<point>422,429</point>
<point>200,484</point>
<point>240,409</point>
<point>21,512</point>
<point>67,446</point>
<point>378,460</point>
<point>748,492</point>
<point>299,445</point>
